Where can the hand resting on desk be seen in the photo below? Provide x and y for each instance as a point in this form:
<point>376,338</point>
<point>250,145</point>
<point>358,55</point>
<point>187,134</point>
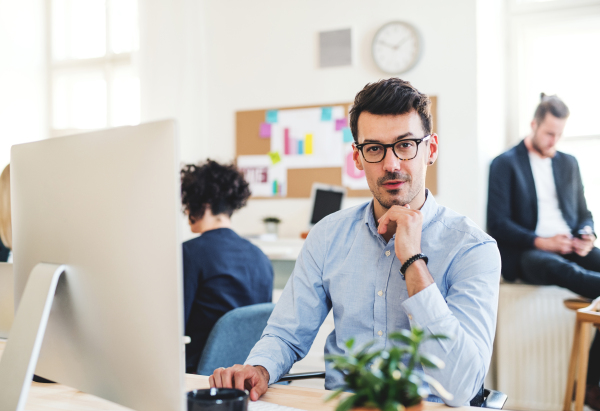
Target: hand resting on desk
<point>243,377</point>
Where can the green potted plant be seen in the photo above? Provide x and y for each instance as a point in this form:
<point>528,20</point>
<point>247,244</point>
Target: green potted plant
<point>386,379</point>
<point>271,224</point>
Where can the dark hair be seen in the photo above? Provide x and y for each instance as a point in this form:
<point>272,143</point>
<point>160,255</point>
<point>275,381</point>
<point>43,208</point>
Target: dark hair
<point>551,104</point>
<point>390,97</point>
<point>222,187</point>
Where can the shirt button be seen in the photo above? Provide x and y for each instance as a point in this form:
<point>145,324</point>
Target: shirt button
<point>380,333</point>
<point>409,317</point>
<point>387,253</point>
<point>380,293</point>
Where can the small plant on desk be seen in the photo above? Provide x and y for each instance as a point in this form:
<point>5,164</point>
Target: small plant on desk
<point>271,224</point>
<point>386,379</point>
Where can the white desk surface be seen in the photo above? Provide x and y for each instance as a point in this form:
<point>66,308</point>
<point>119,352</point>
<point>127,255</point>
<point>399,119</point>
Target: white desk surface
<point>281,249</point>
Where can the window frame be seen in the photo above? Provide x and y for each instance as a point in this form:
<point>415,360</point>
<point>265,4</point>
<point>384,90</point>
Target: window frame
<point>519,23</point>
<point>108,64</point>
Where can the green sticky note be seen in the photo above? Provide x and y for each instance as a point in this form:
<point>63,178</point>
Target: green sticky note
<point>275,157</point>
<point>271,116</point>
<point>326,113</point>
<point>347,135</point>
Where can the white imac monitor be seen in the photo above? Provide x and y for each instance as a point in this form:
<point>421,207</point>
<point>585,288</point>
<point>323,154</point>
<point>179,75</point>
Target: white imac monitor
<point>105,205</point>
<point>325,199</point>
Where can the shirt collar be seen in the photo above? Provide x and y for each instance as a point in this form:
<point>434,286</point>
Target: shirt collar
<point>428,210</point>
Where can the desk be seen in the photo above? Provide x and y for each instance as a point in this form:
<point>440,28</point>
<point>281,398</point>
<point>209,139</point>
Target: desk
<point>57,397</point>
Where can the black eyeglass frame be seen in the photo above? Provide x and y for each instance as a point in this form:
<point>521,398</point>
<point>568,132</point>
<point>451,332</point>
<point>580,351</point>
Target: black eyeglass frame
<point>386,146</point>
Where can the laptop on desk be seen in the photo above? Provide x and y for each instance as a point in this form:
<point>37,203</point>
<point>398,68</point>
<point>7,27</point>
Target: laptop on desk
<point>7,304</point>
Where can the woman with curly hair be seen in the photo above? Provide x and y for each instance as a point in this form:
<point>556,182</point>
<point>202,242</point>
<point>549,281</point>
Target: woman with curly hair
<point>221,270</point>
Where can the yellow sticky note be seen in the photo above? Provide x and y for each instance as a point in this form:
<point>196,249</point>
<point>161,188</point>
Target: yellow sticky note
<point>308,144</point>
<point>275,157</point>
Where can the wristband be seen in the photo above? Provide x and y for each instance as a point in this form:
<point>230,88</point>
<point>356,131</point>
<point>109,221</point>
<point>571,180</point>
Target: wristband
<point>411,260</point>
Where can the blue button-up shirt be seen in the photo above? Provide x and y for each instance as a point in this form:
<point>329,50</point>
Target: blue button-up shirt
<point>347,267</point>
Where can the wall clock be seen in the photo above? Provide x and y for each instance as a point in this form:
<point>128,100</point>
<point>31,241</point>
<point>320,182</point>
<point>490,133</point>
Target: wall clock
<point>396,47</point>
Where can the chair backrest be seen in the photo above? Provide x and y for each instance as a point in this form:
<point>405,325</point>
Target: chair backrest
<point>233,336</point>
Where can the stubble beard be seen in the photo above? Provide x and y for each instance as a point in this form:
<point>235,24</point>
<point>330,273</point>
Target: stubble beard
<point>544,153</point>
<point>389,198</point>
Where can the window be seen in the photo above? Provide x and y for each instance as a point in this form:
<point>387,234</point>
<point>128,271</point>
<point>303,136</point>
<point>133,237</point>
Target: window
<point>556,52</point>
<point>93,81</point>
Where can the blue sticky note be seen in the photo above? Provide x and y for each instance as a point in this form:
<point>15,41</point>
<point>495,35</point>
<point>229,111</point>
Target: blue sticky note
<point>271,116</point>
<point>326,113</point>
<point>347,135</point>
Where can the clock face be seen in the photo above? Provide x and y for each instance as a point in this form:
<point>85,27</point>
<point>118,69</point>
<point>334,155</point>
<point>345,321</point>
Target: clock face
<point>396,47</point>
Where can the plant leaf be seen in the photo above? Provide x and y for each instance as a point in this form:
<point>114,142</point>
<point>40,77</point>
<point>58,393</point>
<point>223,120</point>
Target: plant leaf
<point>347,403</point>
<point>438,387</point>
<point>431,361</point>
<point>334,394</point>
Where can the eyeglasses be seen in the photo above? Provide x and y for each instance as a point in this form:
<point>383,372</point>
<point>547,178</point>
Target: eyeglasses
<point>406,149</point>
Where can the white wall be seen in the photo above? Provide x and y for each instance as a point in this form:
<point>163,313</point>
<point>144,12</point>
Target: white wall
<point>23,114</point>
<point>203,61</point>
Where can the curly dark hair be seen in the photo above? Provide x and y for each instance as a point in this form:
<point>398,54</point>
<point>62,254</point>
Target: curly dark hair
<point>392,96</point>
<point>222,187</point>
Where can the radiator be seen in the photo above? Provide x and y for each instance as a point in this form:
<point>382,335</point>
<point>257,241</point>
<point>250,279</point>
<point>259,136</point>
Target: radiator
<point>533,345</point>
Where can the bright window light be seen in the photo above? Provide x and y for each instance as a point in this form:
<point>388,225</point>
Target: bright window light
<point>78,29</point>
<point>123,26</point>
<point>93,80</point>
<point>125,97</point>
<point>79,100</point>
<point>563,59</point>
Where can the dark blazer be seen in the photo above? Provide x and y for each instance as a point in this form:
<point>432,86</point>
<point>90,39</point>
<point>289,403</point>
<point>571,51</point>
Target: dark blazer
<point>512,203</point>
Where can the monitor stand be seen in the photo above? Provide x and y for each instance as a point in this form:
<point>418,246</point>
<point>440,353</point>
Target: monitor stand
<point>26,335</point>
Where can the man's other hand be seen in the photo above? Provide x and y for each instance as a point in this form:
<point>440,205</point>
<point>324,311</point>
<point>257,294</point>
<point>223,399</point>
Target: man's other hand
<point>243,377</point>
<point>409,224</point>
<point>582,246</point>
<point>560,244</point>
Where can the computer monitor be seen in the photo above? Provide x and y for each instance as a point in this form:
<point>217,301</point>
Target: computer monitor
<point>106,205</point>
<point>325,199</point>
<point>7,308</point>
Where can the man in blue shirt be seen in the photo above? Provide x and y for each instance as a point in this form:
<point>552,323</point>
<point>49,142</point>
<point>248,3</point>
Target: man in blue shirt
<point>368,263</point>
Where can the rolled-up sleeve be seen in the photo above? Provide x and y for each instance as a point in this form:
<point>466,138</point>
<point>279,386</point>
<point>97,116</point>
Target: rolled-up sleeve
<point>467,315</point>
<point>299,313</point>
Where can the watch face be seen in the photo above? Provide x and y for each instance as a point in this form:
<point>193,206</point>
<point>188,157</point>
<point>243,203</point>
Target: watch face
<point>396,47</point>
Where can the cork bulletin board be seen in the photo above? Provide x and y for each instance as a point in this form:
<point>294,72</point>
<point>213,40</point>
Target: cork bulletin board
<point>251,141</point>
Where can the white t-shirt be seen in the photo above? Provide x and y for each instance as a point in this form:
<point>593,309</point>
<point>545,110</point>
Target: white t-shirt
<point>550,219</point>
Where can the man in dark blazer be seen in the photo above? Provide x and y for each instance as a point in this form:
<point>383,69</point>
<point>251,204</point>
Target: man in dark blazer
<point>538,215</point>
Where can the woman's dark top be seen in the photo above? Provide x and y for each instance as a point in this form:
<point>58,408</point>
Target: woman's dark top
<point>221,271</point>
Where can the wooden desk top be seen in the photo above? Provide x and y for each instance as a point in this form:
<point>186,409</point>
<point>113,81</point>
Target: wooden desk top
<point>55,397</point>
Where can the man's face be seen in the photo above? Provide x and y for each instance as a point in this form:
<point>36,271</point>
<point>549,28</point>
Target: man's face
<point>546,134</point>
<point>393,181</point>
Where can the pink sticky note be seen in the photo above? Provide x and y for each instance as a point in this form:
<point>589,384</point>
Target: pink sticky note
<point>341,123</point>
<point>265,130</point>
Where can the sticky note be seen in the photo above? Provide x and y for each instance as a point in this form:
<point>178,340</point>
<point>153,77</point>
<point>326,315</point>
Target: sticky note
<point>347,135</point>
<point>287,150</point>
<point>271,116</point>
<point>275,157</point>
<point>265,130</point>
<point>308,144</point>
<point>326,113</point>
<point>340,123</point>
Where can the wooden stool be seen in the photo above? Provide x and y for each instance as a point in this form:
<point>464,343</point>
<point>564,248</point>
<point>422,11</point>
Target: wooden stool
<point>587,314</point>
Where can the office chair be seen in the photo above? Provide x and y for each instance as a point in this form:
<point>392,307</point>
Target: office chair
<point>233,336</point>
<point>485,398</point>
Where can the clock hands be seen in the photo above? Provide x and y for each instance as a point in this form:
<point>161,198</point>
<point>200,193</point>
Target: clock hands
<point>396,46</point>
